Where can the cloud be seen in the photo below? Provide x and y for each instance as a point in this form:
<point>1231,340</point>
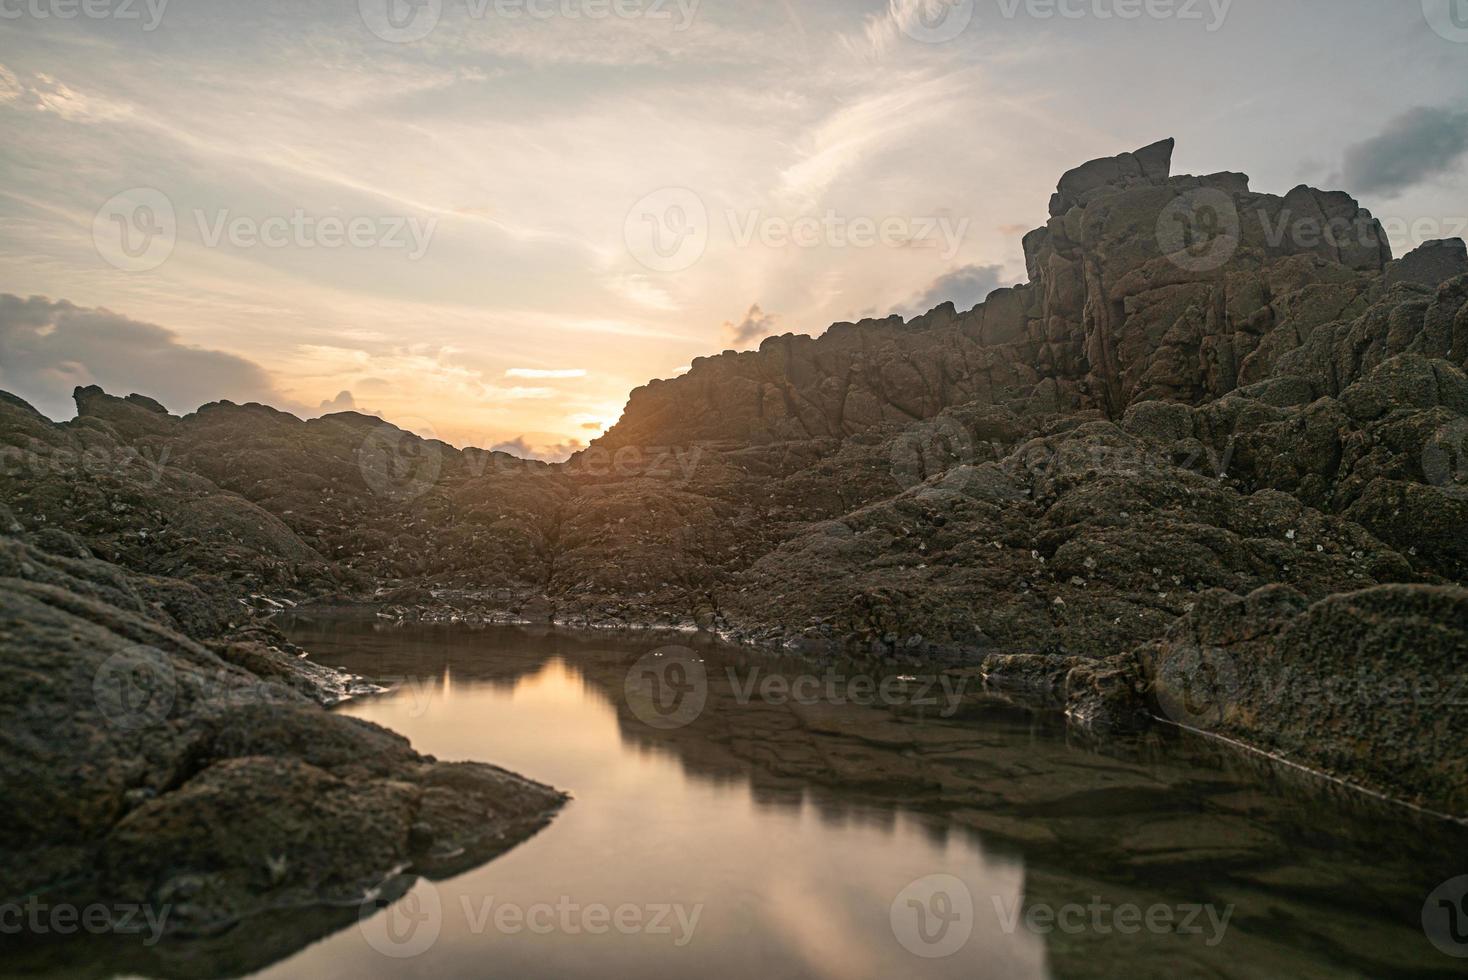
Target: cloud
<point>405,379</point>
<point>515,447</point>
<point>756,325</point>
<point>965,287</point>
<point>902,20</point>
<point>545,374</point>
<point>1416,145</point>
<point>343,402</point>
<point>10,87</point>
<point>48,347</point>
<point>556,453</point>
<point>865,124</point>
<point>46,94</point>
<point>642,291</point>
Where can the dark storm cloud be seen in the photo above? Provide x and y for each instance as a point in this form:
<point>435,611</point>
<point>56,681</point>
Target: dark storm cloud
<point>966,287</point>
<point>1416,145</point>
<point>48,347</point>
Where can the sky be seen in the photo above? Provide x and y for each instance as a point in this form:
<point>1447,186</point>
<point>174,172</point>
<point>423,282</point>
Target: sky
<point>489,220</point>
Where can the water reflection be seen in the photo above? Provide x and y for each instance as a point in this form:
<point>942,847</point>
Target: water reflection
<point>839,840</point>
<point>784,880</point>
<point>798,826</point>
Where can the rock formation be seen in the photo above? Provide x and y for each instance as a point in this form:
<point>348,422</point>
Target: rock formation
<point>164,745</point>
<point>1142,286</point>
<point>1213,453</point>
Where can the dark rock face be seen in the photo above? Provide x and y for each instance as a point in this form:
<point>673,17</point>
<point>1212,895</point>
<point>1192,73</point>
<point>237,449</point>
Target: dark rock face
<point>1306,680</point>
<point>1202,391</point>
<point>166,748</point>
<point>1431,264</point>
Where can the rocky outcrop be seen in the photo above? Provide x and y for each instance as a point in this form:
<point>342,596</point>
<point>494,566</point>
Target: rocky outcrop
<point>1081,542</point>
<point>164,746</point>
<point>1142,286</point>
<point>1308,681</point>
<point>1430,264</point>
<point>1202,391</point>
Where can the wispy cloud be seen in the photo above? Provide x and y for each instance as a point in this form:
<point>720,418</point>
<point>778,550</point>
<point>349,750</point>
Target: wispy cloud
<point>881,117</point>
<point>642,291</point>
<point>10,87</point>
<point>545,373</point>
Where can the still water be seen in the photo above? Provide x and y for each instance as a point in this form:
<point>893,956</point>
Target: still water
<point>783,831</point>
<point>781,818</point>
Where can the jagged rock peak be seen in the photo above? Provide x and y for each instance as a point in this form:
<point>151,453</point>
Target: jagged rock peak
<point>1142,286</point>
<point>1151,164</point>
<point>1430,264</point>
<point>132,416</point>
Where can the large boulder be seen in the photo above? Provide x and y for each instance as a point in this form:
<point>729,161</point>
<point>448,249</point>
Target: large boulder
<point>141,767</point>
